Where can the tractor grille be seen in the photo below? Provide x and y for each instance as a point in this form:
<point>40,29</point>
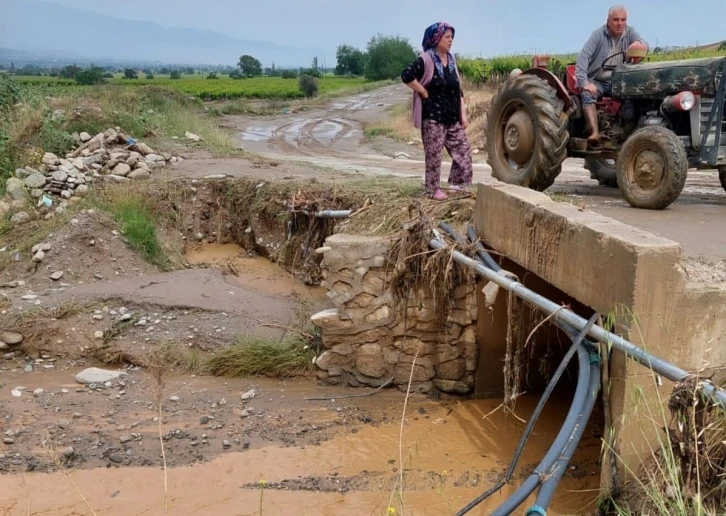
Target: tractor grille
<point>706,105</point>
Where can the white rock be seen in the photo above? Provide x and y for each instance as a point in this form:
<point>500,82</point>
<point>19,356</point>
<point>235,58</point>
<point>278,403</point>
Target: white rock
<point>96,375</point>
<point>85,137</point>
<point>16,393</point>
<point>29,297</point>
<point>139,174</point>
<point>117,179</point>
<point>153,158</point>
<point>38,257</point>
<point>11,338</point>
<point>122,169</point>
<point>38,392</point>
<point>82,190</point>
<point>248,395</point>
<point>60,176</point>
<point>56,275</point>
<point>192,136</point>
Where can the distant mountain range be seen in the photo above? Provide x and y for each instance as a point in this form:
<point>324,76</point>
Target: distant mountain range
<point>44,30</point>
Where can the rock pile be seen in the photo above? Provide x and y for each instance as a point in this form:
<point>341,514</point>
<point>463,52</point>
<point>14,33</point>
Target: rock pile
<point>110,156</point>
<point>368,341</point>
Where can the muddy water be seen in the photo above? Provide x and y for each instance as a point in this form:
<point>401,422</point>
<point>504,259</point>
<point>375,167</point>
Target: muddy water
<point>253,272</point>
<point>451,450</point>
<point>450,454</point>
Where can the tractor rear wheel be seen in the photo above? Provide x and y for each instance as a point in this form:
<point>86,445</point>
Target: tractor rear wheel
<point>722,176</point>
<point>603,170</point>
<point>651,168</point>
<point>527,133</point>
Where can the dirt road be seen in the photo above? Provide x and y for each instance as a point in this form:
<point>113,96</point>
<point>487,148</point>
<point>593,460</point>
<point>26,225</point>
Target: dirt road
<point>332,137</point>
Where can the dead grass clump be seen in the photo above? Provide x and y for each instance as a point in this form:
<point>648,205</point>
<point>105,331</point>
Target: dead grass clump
<point>687,475</point>
<point>421,272</point>
<point>698,437</point>
<point>252,356</point>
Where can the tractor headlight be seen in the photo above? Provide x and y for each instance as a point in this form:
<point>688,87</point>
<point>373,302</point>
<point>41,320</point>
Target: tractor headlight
<point>683,101</point>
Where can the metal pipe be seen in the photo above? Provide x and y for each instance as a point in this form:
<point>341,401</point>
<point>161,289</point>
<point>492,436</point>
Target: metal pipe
<point>653,363</point>
<point>333,214</point>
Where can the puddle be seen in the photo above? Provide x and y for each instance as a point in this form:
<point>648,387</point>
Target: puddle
<point>253,272</point>
<point>451,455</point>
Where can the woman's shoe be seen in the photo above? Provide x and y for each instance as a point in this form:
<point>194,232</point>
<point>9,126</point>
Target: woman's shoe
<point>460,188</point>
<point>439,195</point>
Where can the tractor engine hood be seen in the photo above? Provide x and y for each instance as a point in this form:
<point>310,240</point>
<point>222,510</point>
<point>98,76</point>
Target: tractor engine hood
<point>659,79</point>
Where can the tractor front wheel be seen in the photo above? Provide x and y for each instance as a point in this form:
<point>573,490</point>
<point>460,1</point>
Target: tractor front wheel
<point>526,133</point>
<point>651,168</point>
<point>722,176</point>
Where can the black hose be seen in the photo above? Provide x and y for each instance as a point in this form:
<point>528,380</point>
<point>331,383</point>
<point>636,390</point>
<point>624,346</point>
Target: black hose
<point>577,340</point>
<point>563,437</point>
<point>576,407</point>
<point>554,475</point>
<point>484,256</point>
<point>452,233</point>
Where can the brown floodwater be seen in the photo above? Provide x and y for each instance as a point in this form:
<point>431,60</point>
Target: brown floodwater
<point>255,272</point>
<point>452,452</point>
<point>442,454</point>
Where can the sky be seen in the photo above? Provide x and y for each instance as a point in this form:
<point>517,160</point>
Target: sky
<point>484,27</point>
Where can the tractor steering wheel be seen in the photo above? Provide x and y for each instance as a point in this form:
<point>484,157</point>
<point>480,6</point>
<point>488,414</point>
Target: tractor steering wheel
<point>610,68</point>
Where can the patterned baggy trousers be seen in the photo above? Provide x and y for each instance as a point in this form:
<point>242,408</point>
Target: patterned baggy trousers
<point>435,138</point>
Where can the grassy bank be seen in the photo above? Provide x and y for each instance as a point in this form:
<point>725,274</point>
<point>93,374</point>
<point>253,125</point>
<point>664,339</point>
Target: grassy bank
<point>37,119</point>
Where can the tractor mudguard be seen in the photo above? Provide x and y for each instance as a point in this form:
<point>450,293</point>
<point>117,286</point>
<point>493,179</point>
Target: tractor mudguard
<point>553,81</point>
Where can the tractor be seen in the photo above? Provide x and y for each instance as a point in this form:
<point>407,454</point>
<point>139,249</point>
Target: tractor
<point>660,120</point>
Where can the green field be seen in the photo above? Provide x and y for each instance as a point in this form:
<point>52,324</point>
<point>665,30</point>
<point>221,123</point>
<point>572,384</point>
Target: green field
<point>224,87</point>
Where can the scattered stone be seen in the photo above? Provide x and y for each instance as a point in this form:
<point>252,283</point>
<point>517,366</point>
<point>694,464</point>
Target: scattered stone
<point>248,395</point>
<point>29,297</point>
<point>57,275</point>
<point>11,338</point>
<point>175,399</point>
<point>20,218</point>
<point>85,137</point>
<point>126,439</point>
<point>38,392</point>
<point>226,443</point>
<point>38,257</point>
<point>96,375</point>
<point>69,452</point>
<point>192,136</point>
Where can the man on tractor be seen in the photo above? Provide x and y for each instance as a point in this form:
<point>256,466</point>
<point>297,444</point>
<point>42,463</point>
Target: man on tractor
<point>606,41</point>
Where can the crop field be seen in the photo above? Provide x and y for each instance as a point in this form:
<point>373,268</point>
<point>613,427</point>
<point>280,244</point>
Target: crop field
<point>499,66</point>
<point>223,87</point>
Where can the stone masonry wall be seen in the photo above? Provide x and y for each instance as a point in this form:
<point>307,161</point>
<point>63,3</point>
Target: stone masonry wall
<point>367,341</point>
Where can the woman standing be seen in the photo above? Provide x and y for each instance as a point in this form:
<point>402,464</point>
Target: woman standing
<point>439,111</point>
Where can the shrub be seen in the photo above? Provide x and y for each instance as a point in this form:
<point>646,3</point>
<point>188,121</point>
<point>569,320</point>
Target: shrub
<point>308,85</point>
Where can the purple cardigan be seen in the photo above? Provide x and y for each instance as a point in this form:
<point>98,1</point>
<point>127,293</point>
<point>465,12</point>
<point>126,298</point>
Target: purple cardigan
<point>427,76</point>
